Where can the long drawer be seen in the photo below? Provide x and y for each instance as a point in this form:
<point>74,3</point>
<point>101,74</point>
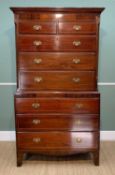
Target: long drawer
<point>57,140</point>
<point>57,43</point>
<point>59,61</point>
<point>59,122</point>
<point>57,105</point>
<point>62,80</point>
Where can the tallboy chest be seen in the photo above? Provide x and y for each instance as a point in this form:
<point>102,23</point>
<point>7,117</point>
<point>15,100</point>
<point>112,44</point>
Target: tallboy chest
<point>57,103</point>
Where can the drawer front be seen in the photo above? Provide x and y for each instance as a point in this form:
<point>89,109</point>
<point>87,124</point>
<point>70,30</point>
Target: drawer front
<point>57,43</point>
<point>84,80</point>
<point>35,27</point>
<point>57,105</point>
<point>77,28</point>
<point>57,80</point>
<point>55,122</point>
<point>59,61</point>
<point>59,140</point>
<point>56,16</point>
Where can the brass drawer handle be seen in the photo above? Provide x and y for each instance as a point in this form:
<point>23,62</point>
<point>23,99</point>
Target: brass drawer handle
<point>76,60</point>
<point>36,121</point>
<point>38,79</point>
<point>78,122</point>
<point>37,60</point>
<point>35,105</point>
<point>36,140</point>
<point>78,140</point>
<point>76,43</point>
<point>76,80</point>
<point>79,106</point>
<point>77,27</point>
<point>37,43</point>
<point>37,27</point>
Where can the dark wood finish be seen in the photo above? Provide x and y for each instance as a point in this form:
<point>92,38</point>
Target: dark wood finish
<point>35,27</point>
<point>57,105</point>
<point>84,80</point>
<point>19,158</point>
<point>82,11</point>
<point>96,157</point>
<point>77,28</point>
<point>57,140</point>
<point>56,43</point>
<point>56,94</point>
<point>31,27</point>
<point>64,105</point>
<point>48,122</point>
<point>57,61</point>
<point>48,17</point>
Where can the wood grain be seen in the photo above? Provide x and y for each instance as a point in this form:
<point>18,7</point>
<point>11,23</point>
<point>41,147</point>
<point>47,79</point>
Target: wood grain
<point>77,28</point>
<point>56,43</point>
<point>58,140</point>
<point>30,27</point>
<point>57,61</point>
<point>62,80</point>
<point>64,105</point>
<point>66,122</point>
<point>57,106</point>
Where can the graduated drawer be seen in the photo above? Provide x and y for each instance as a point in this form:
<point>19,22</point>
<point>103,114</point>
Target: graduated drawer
<point>57,140</point>
<point>57,43</point>
<point>77,28</point>
<point>54,80</point>
<point>57,105</point>
<point>53,122</point>
<point>59,61</point>
<point>35,27</point>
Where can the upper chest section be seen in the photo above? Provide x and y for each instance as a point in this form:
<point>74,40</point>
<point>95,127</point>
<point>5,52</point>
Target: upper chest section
<point>57,20</point>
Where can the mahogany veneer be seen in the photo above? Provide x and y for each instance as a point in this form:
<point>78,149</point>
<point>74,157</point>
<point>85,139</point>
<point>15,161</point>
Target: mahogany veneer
<point>57,103</point>
<point>64,105</point>
<point>66,122</point>
<point>48,80</point>
<point>57,61</point>
<point>58,140</point>
<point>56,43</point>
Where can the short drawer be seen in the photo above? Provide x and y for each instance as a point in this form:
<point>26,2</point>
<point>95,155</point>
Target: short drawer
<point>35,27</point>
<point>57,43</point>
<point>57,105</point>
<point>47,80</point>
<point>53,122</point>
<point>57,140</point>
<point>57,61</point>
<point>77,28</point>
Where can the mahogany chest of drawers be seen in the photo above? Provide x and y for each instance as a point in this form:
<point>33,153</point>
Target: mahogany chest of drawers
<point>57,104</point>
